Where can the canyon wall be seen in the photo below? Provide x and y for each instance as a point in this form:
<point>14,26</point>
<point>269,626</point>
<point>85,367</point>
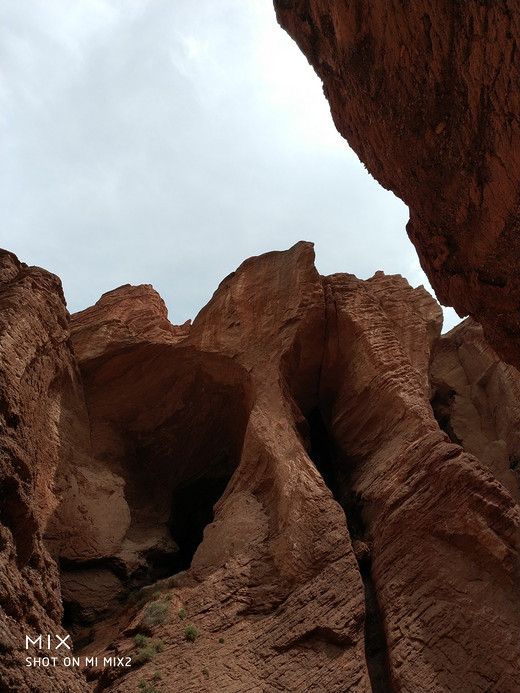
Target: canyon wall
<point>428,95</point>
<point>44,427</point>
<point>310,477</point>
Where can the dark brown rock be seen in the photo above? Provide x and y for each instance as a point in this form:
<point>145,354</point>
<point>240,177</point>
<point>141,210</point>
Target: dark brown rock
<point>428,94</point>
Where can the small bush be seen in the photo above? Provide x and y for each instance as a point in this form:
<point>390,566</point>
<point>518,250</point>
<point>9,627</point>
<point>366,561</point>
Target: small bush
<point>182,614</point>
<point>140,640</point>
<point>191,633</point>
<point>146,654</point>
<point>147,687</point>
<point>157,676</point>
<point>155,614</point>
<point>221,641</point>
<point>156,594</point>
<point>205,672</point>
<point>168,597</point>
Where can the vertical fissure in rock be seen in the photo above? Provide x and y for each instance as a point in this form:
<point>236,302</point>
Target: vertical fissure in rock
<point>376,646</point>
<point>323,455</point>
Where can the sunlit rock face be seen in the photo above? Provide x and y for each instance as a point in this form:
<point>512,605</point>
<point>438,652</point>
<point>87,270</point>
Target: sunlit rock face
<point>428,94</point>
<point>309,475</point>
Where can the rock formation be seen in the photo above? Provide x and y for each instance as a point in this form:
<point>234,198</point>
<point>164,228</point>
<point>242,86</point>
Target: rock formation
<point>476,400</point>
<point>309,482</point>
<point>428,95</point>
<point>44,424</point>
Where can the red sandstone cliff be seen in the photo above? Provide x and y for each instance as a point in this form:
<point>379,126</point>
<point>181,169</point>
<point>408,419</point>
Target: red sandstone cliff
<point>428,95</point>
<point>274,476</point>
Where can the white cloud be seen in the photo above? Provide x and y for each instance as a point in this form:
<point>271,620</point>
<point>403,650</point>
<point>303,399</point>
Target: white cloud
<point>165,141</point>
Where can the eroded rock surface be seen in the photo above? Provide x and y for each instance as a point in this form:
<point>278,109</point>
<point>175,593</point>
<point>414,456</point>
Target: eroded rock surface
<point>296,476</point>
<point>476,399</point>
<point>43,418</point>
<point>441,561</point>
<point>428,94</point>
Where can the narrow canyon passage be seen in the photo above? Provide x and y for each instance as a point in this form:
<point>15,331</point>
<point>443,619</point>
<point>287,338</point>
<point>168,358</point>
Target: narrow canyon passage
<point>322,453</point>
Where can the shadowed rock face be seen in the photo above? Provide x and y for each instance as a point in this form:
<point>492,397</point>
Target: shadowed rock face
<point>428,94</point>
<point>311,473</point>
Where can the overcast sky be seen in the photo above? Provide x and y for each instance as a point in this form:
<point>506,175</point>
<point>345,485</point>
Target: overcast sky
<point>165,141</point>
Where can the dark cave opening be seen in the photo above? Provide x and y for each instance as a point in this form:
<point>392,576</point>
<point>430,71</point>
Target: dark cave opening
<point>192,511</point>
<point>180,467</point>
<point>442,405</point>
<point>322,452</point>
<point>69,616</point>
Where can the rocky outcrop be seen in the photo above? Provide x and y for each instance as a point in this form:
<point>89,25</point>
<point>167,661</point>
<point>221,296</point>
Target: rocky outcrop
<point>428,94</point>
<point>226,421</point>
<point>44,422</point>
<point>122,318</point>
<point>475,400</point>
<point>443,532</point>
<point>294,477</point>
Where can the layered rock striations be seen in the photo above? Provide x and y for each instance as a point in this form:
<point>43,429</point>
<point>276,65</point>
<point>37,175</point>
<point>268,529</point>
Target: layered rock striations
<point>310,476</point>
<point>428,94</point>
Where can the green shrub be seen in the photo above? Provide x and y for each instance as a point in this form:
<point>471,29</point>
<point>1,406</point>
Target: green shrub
<point>146,687</point>
<point>157,676</point>
<point>146,654</point>
<point>205,672</point>
<point>156,614</point>
<point>182,614</point>
<point>140,640</point>
<point>156,594</point>
<point>191,633</point>
<point>221,641</point>
<point>168,597</point>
